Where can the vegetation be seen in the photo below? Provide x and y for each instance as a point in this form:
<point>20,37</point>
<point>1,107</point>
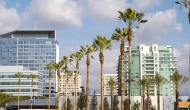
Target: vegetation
<point>94,102</point>
<point>69,105</point>
<point>82,100</point>
<point>126,104</point>
<point>178,81</point>
<point>137,105</point>
<point>78,56</point>
<point>132,18</point>
<point>188,100</point>
<point>159,81</point>
<point>19,75</point>
<point>148,82</point>
<point>102,43</point>
<point>87,50</point>
<point>115,103</point>
<point>106,104</point>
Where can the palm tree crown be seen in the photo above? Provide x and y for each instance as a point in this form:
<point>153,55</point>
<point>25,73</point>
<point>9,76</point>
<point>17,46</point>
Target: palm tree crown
<point>102,43</point>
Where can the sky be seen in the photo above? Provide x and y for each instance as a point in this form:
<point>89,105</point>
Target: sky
<point>78,22</point>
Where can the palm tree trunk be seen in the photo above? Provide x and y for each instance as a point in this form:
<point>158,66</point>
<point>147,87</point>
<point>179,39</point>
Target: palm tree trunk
<point>74,107</point>
<point>148,107</point>
<point>158,98</point>
<point>101,55</point>
<point>112,100</point>
<point>76,97</point>
<point>58,90</point>
<point>177,102</point>
<point>129,84</point>
<point>18,93</point>
<point>66,83</point>
<point>143,101</point>
<point>122,74</point>
<point>49,94</point>
<point>87,80</point>
<point>31,95</point>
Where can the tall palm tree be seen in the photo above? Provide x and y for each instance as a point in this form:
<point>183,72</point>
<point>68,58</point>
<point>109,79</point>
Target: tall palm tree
<point>112,85</point>
<point>49,67</point>
<point>159,80</point>
<point>102,43</point>
<point>66,60</point>
<point>19,75</point>
<point>148,82</point>
<point>57,66</point>
<point>121,35</point>
<point>32,76</point>
<point>87,50</point>
<point>178,81</point>
<point>132,18</point>
<point>141,83</point>
<point>77,56</point>
<point>186,4</point>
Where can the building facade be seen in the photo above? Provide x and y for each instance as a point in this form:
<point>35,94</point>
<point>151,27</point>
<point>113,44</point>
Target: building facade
<point>71,83</point>
<point>32,49</point>
<point>9,83</point>
<point>147,61</point>
<point>106,86</point>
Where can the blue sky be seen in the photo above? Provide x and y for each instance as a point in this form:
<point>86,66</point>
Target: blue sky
<point>78,22</point>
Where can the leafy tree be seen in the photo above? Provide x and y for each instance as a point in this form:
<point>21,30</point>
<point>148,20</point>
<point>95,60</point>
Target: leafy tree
<point>186,4</point>
<point>151,107</point>
<point>131,18</point>
<point>106,104</point>
<point>178,81</point>
<point>159,80</point>
<point>94,102</point>
<point>126,104</point>
<point>78,56</point>
<point>148,83</point>
<point>188,100</point>
<point>115,103</point>
<point>19,75</point>
<point>137,105</point>
<point>69,105</point>
<point>102,43</point>
<point>180,100</point>
<point>87,50</point>
<point>82,100</point>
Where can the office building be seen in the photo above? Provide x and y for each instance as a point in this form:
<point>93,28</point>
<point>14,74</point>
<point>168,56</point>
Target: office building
<point>147,61</point>
<point>106,86</point>
<point>71,84</point>
<point>32,49</point>
<point>9,82</point>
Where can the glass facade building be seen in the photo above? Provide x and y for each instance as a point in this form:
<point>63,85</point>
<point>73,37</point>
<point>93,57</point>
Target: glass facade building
<point>32,49</point>
<point>147,61</point>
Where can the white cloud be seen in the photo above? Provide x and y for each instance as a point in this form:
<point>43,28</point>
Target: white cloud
<point>54,13</point>
<point>104,9</point>
<point>9,19</point>
<point>159,23</point>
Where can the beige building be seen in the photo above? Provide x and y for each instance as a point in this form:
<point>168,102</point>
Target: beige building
<point>70,86</point>
<point>106,80</point>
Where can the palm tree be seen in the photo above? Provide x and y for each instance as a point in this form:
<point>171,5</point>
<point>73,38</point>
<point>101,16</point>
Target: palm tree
<point>121,35</point>
<point>66,60</point>
<point>19,75</point>
<point>178,81</point>
<point>102,43</point>
<point>78,56</point>
<point>159,80</point>
<point>148,83</point>
<point>87,50</point>
<point>49,67</point>
<point>141,83</point>
<point>112,85</point>
<point>57,66</point>
<point>186,4</point>
<point>132,18</point>
<point>32,76</point>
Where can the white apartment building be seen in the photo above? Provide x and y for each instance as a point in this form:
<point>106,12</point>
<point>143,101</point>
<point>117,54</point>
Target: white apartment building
<point>70,86</point>
<point>106,80</point>
<point>9,83</point>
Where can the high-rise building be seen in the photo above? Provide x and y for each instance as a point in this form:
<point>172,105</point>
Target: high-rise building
<point>32,49</point>
<point>9,82</point>
<point>106,86</point>
<point>71,83</point>
<point>147,61</point>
